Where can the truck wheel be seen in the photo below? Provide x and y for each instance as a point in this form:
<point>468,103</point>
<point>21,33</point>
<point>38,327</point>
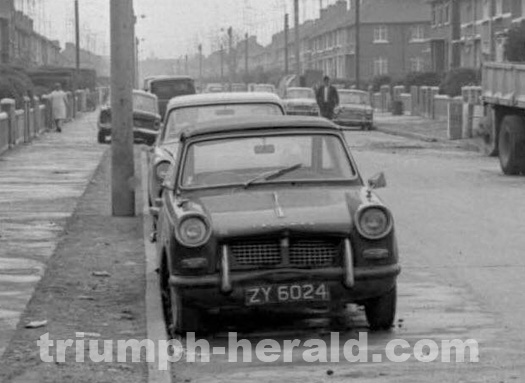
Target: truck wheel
<point>511,145</point>
<point>179,318</point>
<point>101,137</point>
<point>380,312</point>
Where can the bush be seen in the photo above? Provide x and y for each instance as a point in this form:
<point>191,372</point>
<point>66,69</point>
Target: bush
<point>457,78</point>
<point>515,44</point>
<point>421,79</point>
<point>378,81</point>
<point>15,84</point>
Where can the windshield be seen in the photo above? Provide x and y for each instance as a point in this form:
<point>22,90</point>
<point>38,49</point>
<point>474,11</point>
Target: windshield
<point>144,103</point>
<point>279,158</point>
<point>354,98</point>
<point>166,89</point>
<point>300,93</point>
<point>182,118</point>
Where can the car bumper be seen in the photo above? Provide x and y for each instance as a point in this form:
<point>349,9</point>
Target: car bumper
<point>353,121</point>
<point>140,135</point>
<point>206,292</point>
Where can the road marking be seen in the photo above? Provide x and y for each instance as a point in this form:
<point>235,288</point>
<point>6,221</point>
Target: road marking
<point>155,325</point>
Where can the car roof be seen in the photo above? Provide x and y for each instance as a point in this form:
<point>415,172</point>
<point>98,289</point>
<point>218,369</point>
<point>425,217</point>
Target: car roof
<point>230,125</point>
<point>298,88</point>
<point>352,91</point>
<point>170,77</point>
<point>223,98</point>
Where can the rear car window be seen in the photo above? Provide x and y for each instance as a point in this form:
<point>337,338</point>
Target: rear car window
<point>171,88</point>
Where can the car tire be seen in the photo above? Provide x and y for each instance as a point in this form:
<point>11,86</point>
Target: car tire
<point>179,318</point>
<point>101,137</point>
<point>381,311</point>
<point>511,145</point>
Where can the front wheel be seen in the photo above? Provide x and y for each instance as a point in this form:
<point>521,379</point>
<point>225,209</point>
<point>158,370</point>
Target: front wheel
<point>179,318</point>
<point>511,145</point>
<point>380,312</point>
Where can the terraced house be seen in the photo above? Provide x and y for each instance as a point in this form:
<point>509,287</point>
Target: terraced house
<point>467,32</point>
<point>393,39</point>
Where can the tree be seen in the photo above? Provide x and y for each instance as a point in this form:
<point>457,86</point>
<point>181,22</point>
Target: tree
<point>515,44</point>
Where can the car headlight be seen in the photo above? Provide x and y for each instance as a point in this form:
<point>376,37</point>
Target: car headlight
<point>193,231</point>
<point>161,169</point>
<point>374,222</point>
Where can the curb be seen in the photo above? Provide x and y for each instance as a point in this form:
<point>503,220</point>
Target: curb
<point>155,325</point>
<point>465,145</point>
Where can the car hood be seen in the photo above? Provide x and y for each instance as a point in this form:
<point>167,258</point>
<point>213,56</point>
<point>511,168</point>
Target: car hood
<point>306,210</point>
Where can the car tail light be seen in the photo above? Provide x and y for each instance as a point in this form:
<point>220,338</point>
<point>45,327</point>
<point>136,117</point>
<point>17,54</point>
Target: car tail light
<point>373,221</point>
<point>193,231</point>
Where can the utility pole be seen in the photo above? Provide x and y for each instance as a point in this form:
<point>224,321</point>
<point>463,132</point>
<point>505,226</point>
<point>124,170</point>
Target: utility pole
<point>297,42</point>
<point>230,57</point>
<point>357,42</point>
<point>246,48</point>
<point>222,64</point>
<point>122,160</point>
<point>200,64</point>
<point>186,65</point>
<point>77,46</point>
<point>286,32</point>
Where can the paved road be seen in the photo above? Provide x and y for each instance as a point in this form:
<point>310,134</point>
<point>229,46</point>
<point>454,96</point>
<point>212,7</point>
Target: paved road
<point>461,234</point>
<point>40,187</point>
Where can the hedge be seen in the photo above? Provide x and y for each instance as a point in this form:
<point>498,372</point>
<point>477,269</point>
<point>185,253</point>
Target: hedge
<point>15,84</point>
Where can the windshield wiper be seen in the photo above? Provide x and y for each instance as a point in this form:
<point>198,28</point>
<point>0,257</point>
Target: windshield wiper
<point>272,174</point>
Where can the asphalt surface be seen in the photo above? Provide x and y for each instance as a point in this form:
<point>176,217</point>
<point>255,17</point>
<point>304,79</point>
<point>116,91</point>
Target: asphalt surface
<point>40,185</point>
<point>460,230</point>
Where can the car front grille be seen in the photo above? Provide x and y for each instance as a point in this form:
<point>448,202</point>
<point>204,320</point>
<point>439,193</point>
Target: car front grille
<point>310,253</point>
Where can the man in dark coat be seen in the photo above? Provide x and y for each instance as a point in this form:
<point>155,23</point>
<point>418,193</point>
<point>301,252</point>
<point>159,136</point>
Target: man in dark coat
<point>327,98</point>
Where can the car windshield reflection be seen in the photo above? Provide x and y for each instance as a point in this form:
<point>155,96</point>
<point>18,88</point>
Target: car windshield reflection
<point>240,161</point>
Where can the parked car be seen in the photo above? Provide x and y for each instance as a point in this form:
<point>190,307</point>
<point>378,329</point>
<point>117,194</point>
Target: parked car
<point>188,111</point>
<point>301,101</point>
<point>168,87</point>
<point>355,109</point>
<point>214,88</point>
<point>146,119</point>
<point>272,213</point>
<point>262,88</point>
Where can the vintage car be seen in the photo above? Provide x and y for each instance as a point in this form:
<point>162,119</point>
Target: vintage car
<point>354,109</point>
<point>260,213</point>
<point>146,119</point>
<point>168,87</point>
<point>186,111</point>
<point>213,88</point>
<point>262,88</point>
<point>300,101</point>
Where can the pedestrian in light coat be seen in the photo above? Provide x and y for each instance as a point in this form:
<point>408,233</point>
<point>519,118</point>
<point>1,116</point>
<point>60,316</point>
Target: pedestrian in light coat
<point>327,98</point>
<point>59,104</point>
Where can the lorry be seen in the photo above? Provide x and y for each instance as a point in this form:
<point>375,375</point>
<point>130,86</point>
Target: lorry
<point>503,129</point>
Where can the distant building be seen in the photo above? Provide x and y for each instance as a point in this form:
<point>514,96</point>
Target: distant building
<point>467,32</point>
<point>20,44</point>
<point>88,60</point>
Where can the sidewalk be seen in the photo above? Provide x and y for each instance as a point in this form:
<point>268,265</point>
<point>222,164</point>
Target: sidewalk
<point>420,128</point>
<point>94,280</point>
<point>40,186</point>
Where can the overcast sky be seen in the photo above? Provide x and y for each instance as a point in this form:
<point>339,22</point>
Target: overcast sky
<point>168,28</point>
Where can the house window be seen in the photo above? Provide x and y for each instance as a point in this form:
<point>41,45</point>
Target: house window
<point>417,64</point>
<point>380,66</point>
<point>418,33</point>
<point>381,34</point>
<point>487,11</point>
<point>499,8</point>
<point>446,13</point>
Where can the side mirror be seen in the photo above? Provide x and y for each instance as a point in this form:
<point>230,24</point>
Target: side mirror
<point>377,181</point>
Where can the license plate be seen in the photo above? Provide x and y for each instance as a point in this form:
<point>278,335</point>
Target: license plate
<point>296,292</point>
